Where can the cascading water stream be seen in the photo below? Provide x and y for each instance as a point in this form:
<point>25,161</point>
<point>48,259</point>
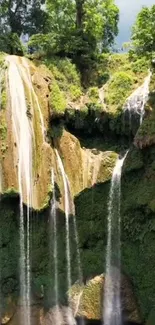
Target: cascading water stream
<point>27,78</point>
<point>23,132</point>
<point>112,300</point>
<point>67,213</point>
<point>135,103</point>
<point>69,209</point>
<point>55,243</point>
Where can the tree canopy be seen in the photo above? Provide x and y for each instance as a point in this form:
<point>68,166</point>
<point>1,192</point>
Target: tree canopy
<point>17,17</point>
<point>79,29</point>
<point>143,33</point>
<point>95,18</point>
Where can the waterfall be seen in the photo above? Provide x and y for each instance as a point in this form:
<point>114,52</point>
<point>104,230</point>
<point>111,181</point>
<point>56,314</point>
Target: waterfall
<point>67,213</point>
<point>22,128</point>
<point>55,249</point>
<point>69,209</point>
<point>112,299</point>
<point>27,78</point>
<point>135,103</point>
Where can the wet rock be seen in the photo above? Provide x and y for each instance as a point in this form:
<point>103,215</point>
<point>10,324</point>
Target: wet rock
<point>58,315</point>
<point>87,300</point>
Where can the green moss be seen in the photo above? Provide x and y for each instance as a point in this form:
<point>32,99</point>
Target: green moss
<point>91,298</point>
<point>3,130</point>
<point>47,199</point>
<point>3,99</point>
<point>3,91</point>
<point>2,60</point>
<point>134,160</point>
<point>11,192</point>
<point>146,133</point>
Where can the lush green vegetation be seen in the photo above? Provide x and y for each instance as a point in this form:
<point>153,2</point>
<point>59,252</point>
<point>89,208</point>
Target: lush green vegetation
<point>17,17</point>
<point>86,90</point>
<point>143,37</point>
<point>77,29</point>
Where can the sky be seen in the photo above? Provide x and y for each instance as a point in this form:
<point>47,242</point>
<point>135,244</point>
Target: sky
<point>128,12</point>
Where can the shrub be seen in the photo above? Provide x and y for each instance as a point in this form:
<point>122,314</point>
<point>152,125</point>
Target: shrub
<point>75,92</point>
<point>93,94</point>
<point>119,88</point>
<point>117,61</point>
<point>66,76</point>
<point>57,99</point>
<point>10,43</point>
<point>140,65</point>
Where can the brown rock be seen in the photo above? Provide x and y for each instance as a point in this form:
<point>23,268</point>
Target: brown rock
<point>87,301</point>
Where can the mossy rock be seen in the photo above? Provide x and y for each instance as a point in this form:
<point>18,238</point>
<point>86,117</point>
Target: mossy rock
<point>134,160</point>
<point>90,299</point>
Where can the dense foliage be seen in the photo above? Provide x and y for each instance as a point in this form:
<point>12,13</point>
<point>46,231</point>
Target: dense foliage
<point>17,18</point>
<point>143,35</point>
<point>78,29</point>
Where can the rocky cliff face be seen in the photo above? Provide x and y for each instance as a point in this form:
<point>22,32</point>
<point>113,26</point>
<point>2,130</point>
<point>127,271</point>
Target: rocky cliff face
<point>88,135</point>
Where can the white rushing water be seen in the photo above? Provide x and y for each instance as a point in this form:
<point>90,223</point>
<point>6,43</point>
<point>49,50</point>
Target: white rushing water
<point>70,210</point>
<point>112,300</point>
<point>22,129</point>
<point>55,243</point>
<point>34,99</point>
<point>67,213</point>
<point>135,103</point>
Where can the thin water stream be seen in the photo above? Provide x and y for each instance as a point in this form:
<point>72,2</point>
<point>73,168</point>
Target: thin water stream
<point>112,301</point>
<point>55,243</point>
<point>67,213</point>
<point>70,210</point>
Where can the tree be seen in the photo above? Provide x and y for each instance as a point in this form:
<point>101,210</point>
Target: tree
<point>17,17</point>
<point>79,29</point>
<point>94,19</point>
<point>143,33</point>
